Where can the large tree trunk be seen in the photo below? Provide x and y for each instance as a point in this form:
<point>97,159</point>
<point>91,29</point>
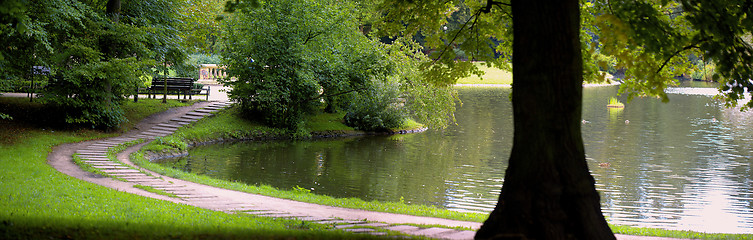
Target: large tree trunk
<point>548,192</point>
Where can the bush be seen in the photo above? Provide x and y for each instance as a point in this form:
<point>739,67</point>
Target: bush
<point>377,109</point>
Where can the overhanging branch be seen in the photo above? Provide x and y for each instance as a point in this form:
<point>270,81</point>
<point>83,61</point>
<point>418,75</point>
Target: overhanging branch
<point>475,19</point>
<point>691,46</point>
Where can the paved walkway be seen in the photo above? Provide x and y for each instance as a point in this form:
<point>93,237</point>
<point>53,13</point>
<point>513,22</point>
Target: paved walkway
<point>94,154</point>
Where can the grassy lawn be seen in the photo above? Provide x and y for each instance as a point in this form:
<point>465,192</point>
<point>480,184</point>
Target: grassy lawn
<point>493,76</point>
<point>39,202</point>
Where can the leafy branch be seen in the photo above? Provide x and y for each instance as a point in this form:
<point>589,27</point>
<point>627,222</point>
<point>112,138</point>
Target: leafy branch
<point>691,46</point>
<point>475,19</point>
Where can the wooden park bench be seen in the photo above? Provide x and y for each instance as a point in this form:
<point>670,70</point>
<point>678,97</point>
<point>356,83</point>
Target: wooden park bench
<point>176,85</point>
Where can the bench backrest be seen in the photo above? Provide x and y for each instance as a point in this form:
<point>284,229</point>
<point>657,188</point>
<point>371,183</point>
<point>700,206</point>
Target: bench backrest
<point>172,82</point>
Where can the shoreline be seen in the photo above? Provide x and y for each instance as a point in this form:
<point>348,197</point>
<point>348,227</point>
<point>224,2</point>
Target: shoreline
<point>586,85</point>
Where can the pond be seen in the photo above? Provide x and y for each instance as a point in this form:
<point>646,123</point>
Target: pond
<point>680,165</point>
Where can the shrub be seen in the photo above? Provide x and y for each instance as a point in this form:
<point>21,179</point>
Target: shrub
<point>377,109</point>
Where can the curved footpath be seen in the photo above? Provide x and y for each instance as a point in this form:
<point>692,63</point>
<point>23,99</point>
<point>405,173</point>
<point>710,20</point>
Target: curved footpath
<point>94,154</point>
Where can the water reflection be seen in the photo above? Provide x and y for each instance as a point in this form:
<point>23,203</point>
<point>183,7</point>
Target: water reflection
<point>678,165</point>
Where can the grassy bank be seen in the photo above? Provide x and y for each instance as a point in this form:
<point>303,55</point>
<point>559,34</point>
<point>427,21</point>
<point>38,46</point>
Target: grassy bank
<point>226,125</point>
<point>39,202</point>
<point>492,76</point>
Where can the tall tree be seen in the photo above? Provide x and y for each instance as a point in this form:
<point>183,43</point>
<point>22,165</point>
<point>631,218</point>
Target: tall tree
<point>548,192</point>
<point>295,57</point>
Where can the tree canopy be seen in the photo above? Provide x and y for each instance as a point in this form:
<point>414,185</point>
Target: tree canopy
<point>200,26</point>
<point>94,51</point>
<point>294,57</point>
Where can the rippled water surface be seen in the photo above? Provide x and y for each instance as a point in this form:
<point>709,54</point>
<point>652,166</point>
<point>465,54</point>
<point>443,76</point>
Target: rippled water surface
<point>678,165</point>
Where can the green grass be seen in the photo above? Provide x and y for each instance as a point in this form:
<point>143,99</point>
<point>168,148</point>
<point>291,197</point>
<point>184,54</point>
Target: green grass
<point>327,122</point>
<point>492,76</point>
<point>145,107</point>
<point>411,124</point>
<point>333,124</point>
<point>636,231</point>
<point>613,102</point>
<point>154,190</point>
<point>229,126</point>
<point>39,202</point>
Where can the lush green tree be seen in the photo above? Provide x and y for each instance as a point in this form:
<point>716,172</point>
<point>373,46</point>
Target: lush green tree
<point>271,50</point>
<point>293,57</point>
<point>548,191</point>
<point>200,25</point>
<point>12,14</point>
<point>95,50</point>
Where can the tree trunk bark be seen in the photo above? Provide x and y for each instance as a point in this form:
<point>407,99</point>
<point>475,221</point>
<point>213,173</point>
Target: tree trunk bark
<point>548,191</point>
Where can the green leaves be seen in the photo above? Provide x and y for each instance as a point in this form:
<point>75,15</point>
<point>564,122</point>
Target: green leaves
<point>649,41</point>
<point>295,57</point>
<point>376,110</point>
<point>656,42</point>
<point>452,31</point>
<point>724,30</point>
<point>200,25</point>
<point>95,59</point>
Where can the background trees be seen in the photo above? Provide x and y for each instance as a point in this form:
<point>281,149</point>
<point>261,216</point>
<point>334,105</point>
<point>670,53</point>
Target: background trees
<point>200,25</point>
<point>95,52</point>
<point>294,57</point>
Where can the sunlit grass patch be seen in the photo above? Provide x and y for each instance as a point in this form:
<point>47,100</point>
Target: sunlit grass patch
<point>327,122</point>
<point>655,232</point>
<point>410,124</point>
<point>36,197</point>
<point>492,76</point>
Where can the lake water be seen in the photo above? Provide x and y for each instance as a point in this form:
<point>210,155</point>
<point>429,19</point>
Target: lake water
<point>680,165</point>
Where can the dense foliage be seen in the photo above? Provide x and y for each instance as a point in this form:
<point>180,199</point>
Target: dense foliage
<point>200,26</point>
<point>648,44</point>
<point>377,109</point>
<point>92,53</point>
<point>294,57</point>
<point>669,38</point>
